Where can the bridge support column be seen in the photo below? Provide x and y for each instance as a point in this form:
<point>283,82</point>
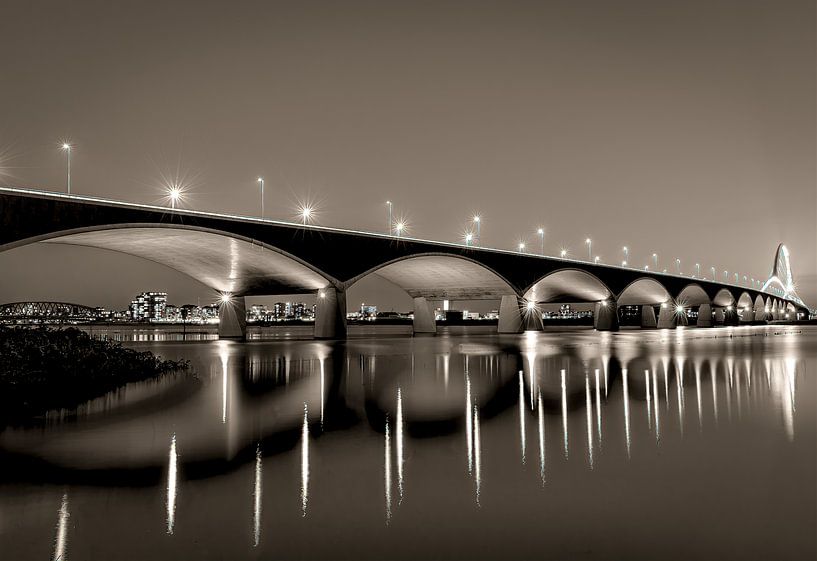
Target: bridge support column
<point>666,316</point>
<point>747,315</point>
<point>704,315</point>
<point>760,314</point>
<point>648,317</point>
<point>510,316</point>
<point>232,319</point>
<point>423,317</point>
<point>605,316</point>
<point>330,314</point>
<point>720,316</point>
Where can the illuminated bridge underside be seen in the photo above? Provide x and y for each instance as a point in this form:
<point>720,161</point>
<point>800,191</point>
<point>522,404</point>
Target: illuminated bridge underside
<point>444,276</point>
<point>571,285</point>
<point>643,292</point>
<point>225,263</point>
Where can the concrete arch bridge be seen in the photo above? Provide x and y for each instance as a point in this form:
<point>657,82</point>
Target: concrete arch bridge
<point>241,256</point>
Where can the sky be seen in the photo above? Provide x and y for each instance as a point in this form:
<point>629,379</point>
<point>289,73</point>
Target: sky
<point>686,129</point>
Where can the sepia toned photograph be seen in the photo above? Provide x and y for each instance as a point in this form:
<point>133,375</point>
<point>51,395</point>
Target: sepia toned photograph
<point>408,280</point>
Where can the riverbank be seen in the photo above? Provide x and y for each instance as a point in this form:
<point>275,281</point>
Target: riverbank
<point>43,369</point>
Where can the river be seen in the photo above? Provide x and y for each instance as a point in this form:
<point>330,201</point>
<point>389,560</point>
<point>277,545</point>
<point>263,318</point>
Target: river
<point>563,444</point>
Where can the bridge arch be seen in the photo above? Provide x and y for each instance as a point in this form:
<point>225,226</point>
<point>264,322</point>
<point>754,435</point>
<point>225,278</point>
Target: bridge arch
<point>744,302</point>
<point>693,294</point>
<point>643,291</point>
<point>441,276</point>
<point>568,285</point>
<point>723,298</point>
<point>226,262</point>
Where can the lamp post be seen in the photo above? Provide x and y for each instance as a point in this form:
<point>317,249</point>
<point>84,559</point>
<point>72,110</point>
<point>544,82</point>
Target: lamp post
<point>174,194</point>
<point>626,256</point>
<point>589,243</point>
<point>698,270</point>
<point>678,265</point>
<point>597,259</point>
<point>478,221</point>
<point>713,273</point>
<point>261,181</point>
<point>541,232</point>
<point>398,228</point>
<point>655,260</point>
<point>521,247</point>
<point>468,238</point>
<point>66,147</point>
<point>306,214</point>
<point>563,253</point>
<point>389,230</point>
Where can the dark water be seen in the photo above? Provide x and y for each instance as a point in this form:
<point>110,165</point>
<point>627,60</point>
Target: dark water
<point>687,444</point>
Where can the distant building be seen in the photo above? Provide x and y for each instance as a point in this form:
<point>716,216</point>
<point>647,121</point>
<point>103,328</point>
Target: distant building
<point>148,306</point>
<point>368,312</point>
<point>172,313</point>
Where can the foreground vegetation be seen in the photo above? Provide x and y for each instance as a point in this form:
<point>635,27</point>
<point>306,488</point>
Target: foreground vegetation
<point>44,368</point>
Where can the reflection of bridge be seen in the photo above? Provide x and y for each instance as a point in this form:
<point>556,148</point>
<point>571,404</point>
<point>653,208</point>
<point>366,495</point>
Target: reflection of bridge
<point>46,311</point>
<point>241,256</point>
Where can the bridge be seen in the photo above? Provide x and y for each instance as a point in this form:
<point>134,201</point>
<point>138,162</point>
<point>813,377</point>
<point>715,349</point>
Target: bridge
<point>46,311</point>
<point>240,256</point>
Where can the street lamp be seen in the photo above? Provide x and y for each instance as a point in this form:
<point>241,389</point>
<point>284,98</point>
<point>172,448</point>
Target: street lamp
<point>698,270</point>
<point>468,238</point>
<point>261,181</point>
<point>713,273</point>
<point>521,247</point>
<point>678,265</point>
<point>597,259</point>
<point>541,232</point>
<point>66,147</point>
<point>563,253</point>
<point>306,214</point>
<point>388,204</point>
<point>655,260</point>
<point>175,194</point>
<point>626,255</point>
<point>399,227</point>
<point>589,243</point>
<point>478,221</point>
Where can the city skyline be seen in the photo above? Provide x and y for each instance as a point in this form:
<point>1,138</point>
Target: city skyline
<point>642,166</point>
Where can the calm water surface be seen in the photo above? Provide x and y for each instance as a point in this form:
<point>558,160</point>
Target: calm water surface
<point>686,444</point>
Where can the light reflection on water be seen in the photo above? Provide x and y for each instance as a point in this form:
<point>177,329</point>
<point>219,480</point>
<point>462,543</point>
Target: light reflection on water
<point>275,412</point>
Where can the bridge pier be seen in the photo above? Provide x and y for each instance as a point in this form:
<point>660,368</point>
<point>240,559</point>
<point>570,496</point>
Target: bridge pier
<point>747,315</point>
<point>510,316</point>
<point>704,315</point>
<point>330,314</point>
<point>648,317</point>
<point>232,319</point>
<point>666,316</point>
<point>424,321</point>
<point>605,316</point>
<point>760,313</point>
<point>720,316</point>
